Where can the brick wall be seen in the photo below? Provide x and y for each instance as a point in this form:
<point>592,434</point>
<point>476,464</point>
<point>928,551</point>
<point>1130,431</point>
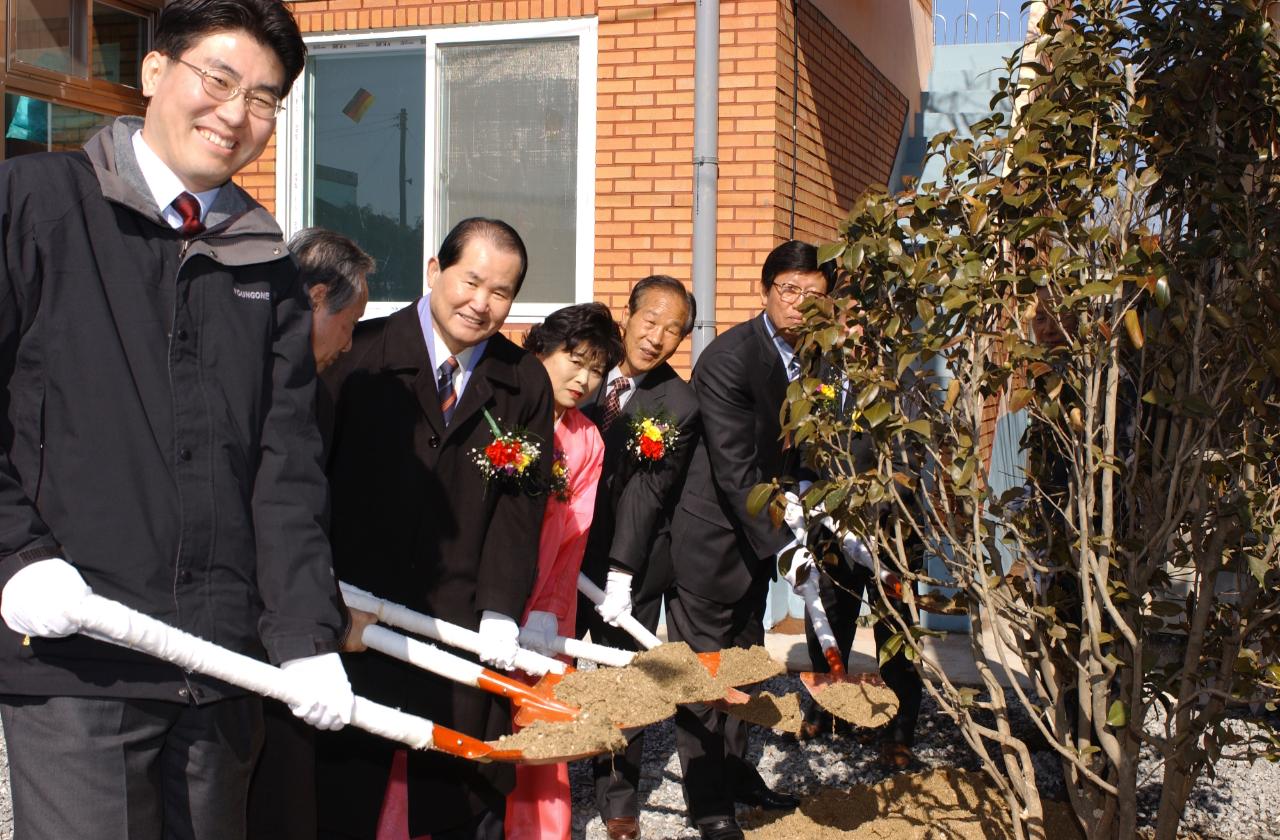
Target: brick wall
<point>849,122</point>
<point>850,117</point>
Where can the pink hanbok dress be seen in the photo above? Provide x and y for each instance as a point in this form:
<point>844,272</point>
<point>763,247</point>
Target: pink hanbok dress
<point>539,807</point>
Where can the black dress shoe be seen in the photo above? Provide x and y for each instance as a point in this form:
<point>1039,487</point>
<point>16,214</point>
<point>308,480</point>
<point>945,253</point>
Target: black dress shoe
<point>768,799</point>
<point>723,828</point>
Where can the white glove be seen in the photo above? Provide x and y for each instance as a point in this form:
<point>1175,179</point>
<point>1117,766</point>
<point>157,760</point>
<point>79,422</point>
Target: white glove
<point>42,599</point>
<point>323,681</point>
<point>856,551</point>
<point>793,514</point>
<point>617,597</point>
<point>499,640</point>
<point>802,568</point>
<point>539,632</point>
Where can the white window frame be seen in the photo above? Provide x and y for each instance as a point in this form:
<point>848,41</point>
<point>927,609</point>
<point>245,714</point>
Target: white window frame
<point>291,151</point>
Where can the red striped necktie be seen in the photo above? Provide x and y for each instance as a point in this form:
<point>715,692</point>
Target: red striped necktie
<point>444,388</point>
<point>613,402</point>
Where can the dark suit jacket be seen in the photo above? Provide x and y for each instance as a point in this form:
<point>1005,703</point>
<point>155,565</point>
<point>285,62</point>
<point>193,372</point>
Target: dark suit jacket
<point>634,502</point>
<point>414,521</point>
<point>718,548</point>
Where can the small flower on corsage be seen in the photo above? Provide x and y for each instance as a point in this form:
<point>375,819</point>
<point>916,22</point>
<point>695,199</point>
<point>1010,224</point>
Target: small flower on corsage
<point>652,437</point>
<point>559,487</point>
<point>823,395</point>
<point>509,459</point>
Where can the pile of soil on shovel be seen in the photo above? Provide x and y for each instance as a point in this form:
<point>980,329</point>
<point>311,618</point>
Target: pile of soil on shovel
<point>746,666</point>
<point>543,740</point>
<point>935,805</point>
<point>780,713</point>
<point>862,703</point>
<point>644,692</point>
<point>868,704</point>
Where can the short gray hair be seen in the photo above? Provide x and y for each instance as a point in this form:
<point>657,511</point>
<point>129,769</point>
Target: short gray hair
<point>327,258</point>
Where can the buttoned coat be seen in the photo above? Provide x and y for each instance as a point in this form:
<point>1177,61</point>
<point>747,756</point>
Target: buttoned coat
<point>719,548</point>
<point>635,501</point>
<point>415,521</point>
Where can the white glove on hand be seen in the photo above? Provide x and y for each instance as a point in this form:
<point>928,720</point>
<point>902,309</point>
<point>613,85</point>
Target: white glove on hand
<point>617,597</point>
<point>499,640</point>
<point>42,599</point>
<point>539,631</point>
<point>802,568</point>
<point>323,680</point>
<point>793,514</point>
<point>856,551</point>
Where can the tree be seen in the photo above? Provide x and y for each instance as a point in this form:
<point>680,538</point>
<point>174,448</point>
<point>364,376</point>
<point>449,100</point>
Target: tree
<point>1132,200</point>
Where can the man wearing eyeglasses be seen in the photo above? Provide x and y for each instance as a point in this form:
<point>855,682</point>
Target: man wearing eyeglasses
<point>723,557</point>
<point>157,446</point>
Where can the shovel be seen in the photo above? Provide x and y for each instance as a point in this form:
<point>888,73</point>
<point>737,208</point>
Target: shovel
<point>710,659</point>
<point>389,612</point>
<point>536,705</point>
<point>113,622</point>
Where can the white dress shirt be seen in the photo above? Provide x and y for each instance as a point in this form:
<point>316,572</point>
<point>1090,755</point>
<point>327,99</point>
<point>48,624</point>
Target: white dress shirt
<point>164,185</point>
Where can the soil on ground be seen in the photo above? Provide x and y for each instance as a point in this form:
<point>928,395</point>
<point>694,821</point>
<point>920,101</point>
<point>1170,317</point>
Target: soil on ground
<point>936,805</point>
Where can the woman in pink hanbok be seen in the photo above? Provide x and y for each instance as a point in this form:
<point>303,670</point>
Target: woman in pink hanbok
<point>578,345</point>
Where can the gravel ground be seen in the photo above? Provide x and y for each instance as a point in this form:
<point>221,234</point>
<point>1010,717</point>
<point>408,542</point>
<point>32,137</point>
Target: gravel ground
<point>1237,803</point>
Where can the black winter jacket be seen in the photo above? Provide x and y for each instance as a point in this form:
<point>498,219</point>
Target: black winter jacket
<point>156,425</point>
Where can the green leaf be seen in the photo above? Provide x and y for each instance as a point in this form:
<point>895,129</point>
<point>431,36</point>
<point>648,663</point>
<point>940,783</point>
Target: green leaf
<point>876,413</point>
<point>920,427</point>
<point>1117,715</point>
<point>758,498</point>
<point>1258,566</point>
<point>890,648</point>
<point>831,251</point>
<point>1098,289</point>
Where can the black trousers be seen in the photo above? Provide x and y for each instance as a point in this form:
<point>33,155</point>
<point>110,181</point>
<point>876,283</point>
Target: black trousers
<point>94,768</point>
<point>842,590</point>
<point>282,796</point>
<point>711,744</point>
<point>617,777</point>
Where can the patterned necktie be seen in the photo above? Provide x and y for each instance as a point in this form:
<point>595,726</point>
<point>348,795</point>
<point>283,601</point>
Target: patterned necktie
<point>188,207</point>
<point>793,369</point>
<point>612,403</point>
<point>444,388</point>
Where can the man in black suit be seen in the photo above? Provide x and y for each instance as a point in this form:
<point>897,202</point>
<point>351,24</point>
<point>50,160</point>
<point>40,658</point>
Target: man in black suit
<point>628,551</point>
<point>725,558</point>
<point>415,519</point>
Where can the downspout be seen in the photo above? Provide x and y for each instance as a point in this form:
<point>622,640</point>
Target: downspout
<point>706,168</point>
<point>795,109</point>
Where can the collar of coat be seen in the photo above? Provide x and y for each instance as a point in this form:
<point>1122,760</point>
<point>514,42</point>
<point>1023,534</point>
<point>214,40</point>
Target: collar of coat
<point>238,230</point>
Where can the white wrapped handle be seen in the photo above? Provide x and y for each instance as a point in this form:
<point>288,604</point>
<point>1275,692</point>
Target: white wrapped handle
<point>603,654</point>
<point>400,616</point>
<point>626,621</point>
<point>111,621</point>
<point>818,616</point>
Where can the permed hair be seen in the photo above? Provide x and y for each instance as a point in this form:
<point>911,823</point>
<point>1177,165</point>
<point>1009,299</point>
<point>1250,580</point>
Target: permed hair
<point>269,22</point>
<point>663,282</point>
<point>327,258</point>
<point>500,234</point>
<point>587,328</point>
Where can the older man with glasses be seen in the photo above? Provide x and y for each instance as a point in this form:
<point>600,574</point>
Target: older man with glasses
<point>723,557</point>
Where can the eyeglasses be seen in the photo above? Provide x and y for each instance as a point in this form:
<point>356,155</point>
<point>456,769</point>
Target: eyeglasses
<point>789,293</point>
<point>220,86</point>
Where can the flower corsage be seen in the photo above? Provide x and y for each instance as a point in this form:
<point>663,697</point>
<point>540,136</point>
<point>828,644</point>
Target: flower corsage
<point>510,459</point>
<point>559,487</point>
<point>651,438</point>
